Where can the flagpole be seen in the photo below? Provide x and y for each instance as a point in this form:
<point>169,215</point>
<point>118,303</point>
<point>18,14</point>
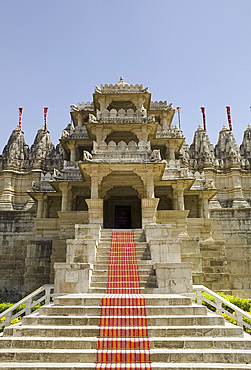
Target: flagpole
<point>178,110</point>
<point>45,118</point>
<point>229,118</point>
<point>203,110</point>
<point>20,118</point>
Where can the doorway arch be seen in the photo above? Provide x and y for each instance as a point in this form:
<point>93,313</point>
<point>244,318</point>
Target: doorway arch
<point>122,208</point>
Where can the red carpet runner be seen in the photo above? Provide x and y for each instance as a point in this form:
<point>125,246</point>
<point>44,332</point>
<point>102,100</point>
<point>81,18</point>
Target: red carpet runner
<point>123,335</point>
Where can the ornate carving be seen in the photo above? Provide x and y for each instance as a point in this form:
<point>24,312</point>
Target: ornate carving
<point>155,156</point>
<point>87,157</point>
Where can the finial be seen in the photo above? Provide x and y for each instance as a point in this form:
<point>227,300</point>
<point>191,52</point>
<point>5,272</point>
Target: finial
<point>121,79</point>
<point>249,126</point>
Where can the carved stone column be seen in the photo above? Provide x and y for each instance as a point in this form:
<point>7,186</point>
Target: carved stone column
<point>40,205</point>
<point>79,118</point>
<point>46,207</point>
<point>150,185</point>
<point>149,209</point>
<point>205,208</point>
<point>172,152</point>
<point>178,196</point>
<point>200,207</point>
<point>94,186</point>
<point>95,211</point>
<point>72,148</point>
<point>65,196</point>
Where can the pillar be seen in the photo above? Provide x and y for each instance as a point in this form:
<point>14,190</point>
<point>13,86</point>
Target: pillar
<point>150,185</point>
<point>200,207</point>
<point>79,118</point>
<point>64,187</point>
<point>72,148</point>
<point>205,208</point>
<point>46,207</point>
<point>165,127</point>
<point>94,187</point>
<point>172,152</point>
<point>178,197</point>
<point>40,205</point>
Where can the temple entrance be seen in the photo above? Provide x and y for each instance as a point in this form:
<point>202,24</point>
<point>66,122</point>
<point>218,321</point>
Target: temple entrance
<point>122,209</point>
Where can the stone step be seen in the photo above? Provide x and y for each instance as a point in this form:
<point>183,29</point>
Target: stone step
<point>157,355</point>
<point>204,355</point>
<point>104,277</point>
<point>92,343</point>
<point>103,283</point>
<point>107,245</point>
<point>93,331</point>
<point>106,260</point>
<point>96,300</point>
<point>149,320</point>
<point>104,273</point>
<point>147,289</point>
<point>141,265</point>
<point>106,252</point>
<point>154,365</point>
<point>96,310</point>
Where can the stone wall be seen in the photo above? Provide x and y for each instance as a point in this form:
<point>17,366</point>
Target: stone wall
<point>16,229</point>
<point>234,226</point>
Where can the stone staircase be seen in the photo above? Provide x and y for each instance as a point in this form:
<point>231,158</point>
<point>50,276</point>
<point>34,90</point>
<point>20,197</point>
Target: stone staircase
<point>182,335</point>
<point>148,279</point>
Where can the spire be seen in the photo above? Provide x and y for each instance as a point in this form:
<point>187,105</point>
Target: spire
<point>201,150</point>
<point>226,150</point>
<point>16,152</point>
<point>42,146</point>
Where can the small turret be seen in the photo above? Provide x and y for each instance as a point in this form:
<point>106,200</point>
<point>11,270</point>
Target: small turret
<point>226,150</point>
<point>41,148</point>
<point>201,150</point>
<point>246,148</point>
<point>16,152</point>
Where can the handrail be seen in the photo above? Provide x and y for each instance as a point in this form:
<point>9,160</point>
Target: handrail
<point>239,313</point>
<point>28,300</point>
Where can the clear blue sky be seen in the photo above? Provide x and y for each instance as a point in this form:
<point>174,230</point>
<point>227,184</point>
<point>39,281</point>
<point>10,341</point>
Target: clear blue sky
<point>189,52</point>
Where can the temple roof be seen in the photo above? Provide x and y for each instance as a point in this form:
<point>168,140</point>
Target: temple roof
<point>120,88</point>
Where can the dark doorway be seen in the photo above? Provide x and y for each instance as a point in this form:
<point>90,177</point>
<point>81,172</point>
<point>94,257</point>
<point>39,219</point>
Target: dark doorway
<point>123,217</point>
<point>122,209</point>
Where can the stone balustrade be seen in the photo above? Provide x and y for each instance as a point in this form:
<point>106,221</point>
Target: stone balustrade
<point>132,152</point>
<point>123,116</point>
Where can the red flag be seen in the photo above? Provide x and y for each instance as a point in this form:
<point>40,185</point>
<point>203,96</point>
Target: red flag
<point>20,118</point>
<point>45,119</point>
<point>203,110</point>
<point>229,119</point>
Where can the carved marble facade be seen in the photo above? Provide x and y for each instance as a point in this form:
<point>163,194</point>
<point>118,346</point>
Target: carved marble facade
<point>123,152</point>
